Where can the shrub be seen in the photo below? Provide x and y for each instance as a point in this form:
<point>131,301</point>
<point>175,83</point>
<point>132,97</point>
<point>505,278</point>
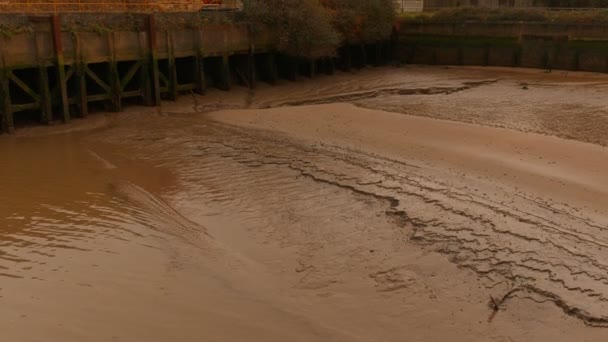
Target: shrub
<point>303,27</point>
<point>315,28</point>
<point>362,20</point>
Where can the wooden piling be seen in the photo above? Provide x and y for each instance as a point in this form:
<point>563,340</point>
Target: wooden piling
<point>151,26</point>
<point>145,84</point>
<point>312,68</point>
<point>201,84</point>
<point>96,75</point>
<point>6,113</point>
<point>46,104</point>
<point>517,56</point>
<point>329,66</point>
<point>272,68</point>
<point>460,56</point>
<point>114,76</point>
<point>379,58</point>
<point>81,78</point>
<point>347,58</point>
<point>173,83</point>
<point>291,67</point>
<point>251,65</point>
<point>60,65</point>
<point>43,99</point>
<point>486,55</point>
<point>225,75</point>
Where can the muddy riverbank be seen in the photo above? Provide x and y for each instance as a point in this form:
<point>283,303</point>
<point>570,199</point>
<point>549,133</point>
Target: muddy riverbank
<point>334,209</point>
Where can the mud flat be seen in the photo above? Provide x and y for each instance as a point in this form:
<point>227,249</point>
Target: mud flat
<point>310,212</point>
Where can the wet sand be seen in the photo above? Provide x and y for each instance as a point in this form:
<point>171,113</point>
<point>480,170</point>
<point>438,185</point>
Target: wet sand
<point>308,212</point>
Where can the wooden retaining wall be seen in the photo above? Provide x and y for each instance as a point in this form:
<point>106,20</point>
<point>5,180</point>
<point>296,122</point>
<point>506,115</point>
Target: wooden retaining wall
<point>59,74</point>
<point>574,47</point>
<point>55,72</point>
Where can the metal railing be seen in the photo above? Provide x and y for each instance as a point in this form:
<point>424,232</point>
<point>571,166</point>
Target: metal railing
<point>113,6</point>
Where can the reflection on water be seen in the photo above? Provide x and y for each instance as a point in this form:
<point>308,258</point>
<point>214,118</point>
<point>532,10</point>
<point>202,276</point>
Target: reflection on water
<point>28,239</point>
<point>57,194</point>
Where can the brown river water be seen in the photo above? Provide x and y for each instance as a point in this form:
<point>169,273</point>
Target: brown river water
<point>334,209</point>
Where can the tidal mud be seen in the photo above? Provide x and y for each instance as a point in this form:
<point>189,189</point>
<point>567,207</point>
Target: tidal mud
<point>306,211</point>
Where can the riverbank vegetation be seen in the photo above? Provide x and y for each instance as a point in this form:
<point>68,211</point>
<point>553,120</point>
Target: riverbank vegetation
<point>304,28</point>
<point>313,28</point>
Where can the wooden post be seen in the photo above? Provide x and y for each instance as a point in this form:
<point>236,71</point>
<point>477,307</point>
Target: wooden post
<point>379,59</point>
<point>312,68</point>
<point>116,89</point>
<point>44,100</point>
<point>363,56</point>
<point>201,84</point>
<point>251,72</point>
<point>251,67</point>
<point>226,79</point>
<point>6,113</point>
<point>272,69</point>
<point>329,66</point>
<point>435,56</point>
<point>154,59</point>
<point>79,63</point>
<point>46,105</point>
<point>486,55</point>
<point>517,56</point>
<point>144,72</point>
<point>60,64</point>
<point>292,67</point>
<point>347,63</point>
<point>460,57</point>
<point>173,83</point>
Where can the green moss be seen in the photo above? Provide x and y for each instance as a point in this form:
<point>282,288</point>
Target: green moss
<point>9,30</point>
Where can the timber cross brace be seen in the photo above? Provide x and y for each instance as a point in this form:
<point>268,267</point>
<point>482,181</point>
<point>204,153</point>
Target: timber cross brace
<point>57,72</point>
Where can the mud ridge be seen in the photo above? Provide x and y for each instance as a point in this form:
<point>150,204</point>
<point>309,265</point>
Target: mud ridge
<point>388,92</point>
<point>499,241</point>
